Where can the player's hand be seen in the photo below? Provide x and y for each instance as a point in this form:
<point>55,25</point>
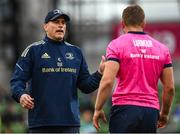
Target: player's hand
<point>98,114</point>
<point>163,120</point>
<point>102,65</point>
<point>26,101</point>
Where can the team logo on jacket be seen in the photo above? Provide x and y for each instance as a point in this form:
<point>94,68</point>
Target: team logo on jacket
<point>69,56</point>
<point>59,63</point>
<point>45,56</point>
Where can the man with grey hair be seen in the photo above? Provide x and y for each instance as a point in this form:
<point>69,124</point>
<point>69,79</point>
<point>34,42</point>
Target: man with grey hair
<point>54,70</point>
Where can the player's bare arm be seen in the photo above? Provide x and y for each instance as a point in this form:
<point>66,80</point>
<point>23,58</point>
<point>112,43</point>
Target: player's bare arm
<point>105,90</point>
<point>167,96</point>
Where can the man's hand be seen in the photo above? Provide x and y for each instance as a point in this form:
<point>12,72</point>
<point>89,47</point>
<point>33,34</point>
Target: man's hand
<point>98,114</point>
<point>26,101</point>
<point>102,65</point>
<point>163,120</point>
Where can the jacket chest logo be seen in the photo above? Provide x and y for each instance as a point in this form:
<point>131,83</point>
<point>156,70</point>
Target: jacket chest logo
<point>59,62</point>
<point>45,56</point>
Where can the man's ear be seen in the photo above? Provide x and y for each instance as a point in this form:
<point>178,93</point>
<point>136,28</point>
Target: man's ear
<point>45,27</point>
<point>143,24</point>
<point>122,24</point>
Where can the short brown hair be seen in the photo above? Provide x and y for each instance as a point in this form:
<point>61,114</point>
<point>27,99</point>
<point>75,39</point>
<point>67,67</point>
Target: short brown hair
<point>133,15</point>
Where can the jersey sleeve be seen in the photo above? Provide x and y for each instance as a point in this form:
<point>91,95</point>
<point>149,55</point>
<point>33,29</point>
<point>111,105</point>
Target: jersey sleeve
<point>112,52</point>
<point>21,74</point>
<point>168,60</point>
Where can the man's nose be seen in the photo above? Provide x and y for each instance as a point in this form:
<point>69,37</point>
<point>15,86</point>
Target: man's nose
<point>61,24</point>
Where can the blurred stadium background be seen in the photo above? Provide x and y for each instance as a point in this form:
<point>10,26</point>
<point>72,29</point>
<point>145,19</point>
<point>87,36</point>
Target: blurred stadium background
<point>93,24</point>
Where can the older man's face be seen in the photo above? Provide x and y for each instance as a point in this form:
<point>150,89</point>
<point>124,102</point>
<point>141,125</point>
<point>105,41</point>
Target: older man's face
<point>56,29</point>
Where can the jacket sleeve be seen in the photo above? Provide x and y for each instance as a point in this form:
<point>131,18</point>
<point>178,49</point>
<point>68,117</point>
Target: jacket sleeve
<point>87,82</point>
<point>21,74</point>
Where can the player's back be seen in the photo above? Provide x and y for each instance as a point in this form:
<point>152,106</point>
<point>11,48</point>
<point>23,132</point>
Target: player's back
<point>142,60</point>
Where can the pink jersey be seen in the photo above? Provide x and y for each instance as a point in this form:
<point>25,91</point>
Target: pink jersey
<point>142,60</point>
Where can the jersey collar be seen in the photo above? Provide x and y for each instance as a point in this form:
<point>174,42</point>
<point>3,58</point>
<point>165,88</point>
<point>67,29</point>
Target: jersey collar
<point>136,32</point>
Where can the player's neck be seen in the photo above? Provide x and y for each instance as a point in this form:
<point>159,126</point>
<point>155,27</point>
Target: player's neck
<point>133,29</point>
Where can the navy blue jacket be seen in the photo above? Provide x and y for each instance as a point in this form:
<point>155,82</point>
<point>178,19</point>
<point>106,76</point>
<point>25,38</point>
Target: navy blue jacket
<point>54,71</point>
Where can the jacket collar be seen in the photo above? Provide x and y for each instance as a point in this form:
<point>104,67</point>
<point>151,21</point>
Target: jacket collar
<point>49,40</point>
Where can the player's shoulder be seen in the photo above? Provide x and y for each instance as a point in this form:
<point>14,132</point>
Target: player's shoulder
<point>119,40</point>
<point>121,37</point>
<point>159,44</point>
